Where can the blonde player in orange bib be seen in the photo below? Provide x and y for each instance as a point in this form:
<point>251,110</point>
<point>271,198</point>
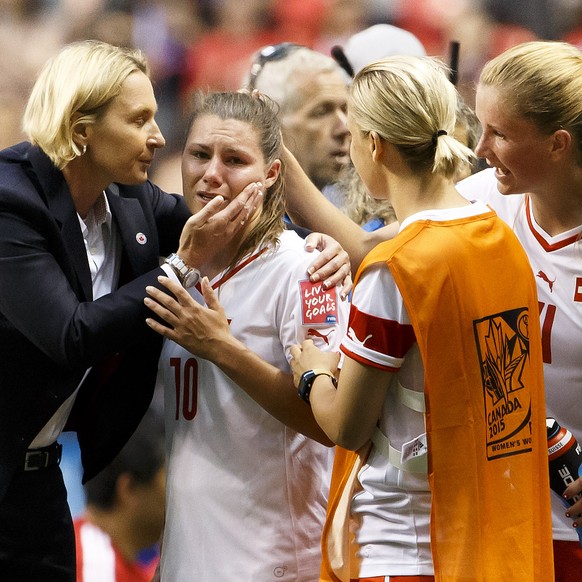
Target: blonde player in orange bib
<point>441,390</point>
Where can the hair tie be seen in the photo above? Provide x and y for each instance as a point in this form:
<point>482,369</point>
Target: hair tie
<point>437,134</point>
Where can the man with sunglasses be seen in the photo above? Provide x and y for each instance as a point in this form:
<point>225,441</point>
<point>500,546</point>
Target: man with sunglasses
<point>311,90</point>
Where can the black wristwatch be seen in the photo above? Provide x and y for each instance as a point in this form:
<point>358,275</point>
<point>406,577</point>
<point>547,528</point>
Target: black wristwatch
<point>188,276</point>
<point>307,379</point>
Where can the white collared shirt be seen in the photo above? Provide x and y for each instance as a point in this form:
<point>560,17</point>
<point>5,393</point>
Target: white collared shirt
<point>102,245</point>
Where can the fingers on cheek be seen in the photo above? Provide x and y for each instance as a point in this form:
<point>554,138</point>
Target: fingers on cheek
<point>233,219</point>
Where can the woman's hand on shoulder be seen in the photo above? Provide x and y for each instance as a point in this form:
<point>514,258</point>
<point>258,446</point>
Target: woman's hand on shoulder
<point>332,265</point>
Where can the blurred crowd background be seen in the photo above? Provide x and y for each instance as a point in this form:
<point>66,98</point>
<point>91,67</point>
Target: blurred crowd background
<point>209,44</point>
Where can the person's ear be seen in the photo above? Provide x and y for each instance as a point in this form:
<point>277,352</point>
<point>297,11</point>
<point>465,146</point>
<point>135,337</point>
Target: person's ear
<point>80,133</point>
<point>273,173</point>
<point>376,146</point>
<point>560,143</point>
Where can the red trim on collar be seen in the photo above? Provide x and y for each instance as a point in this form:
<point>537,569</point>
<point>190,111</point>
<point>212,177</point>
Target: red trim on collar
<point>543,242</point>
<point>232,272</point>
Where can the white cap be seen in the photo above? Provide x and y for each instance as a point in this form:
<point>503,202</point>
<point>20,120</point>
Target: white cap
<point>379,41</point>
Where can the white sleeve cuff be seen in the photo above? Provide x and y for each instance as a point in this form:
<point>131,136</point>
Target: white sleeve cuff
<point>170,273</point>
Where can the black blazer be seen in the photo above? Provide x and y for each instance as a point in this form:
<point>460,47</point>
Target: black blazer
<point>51,330</point>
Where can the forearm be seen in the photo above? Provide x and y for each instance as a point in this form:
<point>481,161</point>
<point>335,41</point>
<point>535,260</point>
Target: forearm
<point>323,399</point>
<point>73,333</point>
<point>338,424</point>
<point>308,207</point>
<point>268,386</point>
<point>349,412</point>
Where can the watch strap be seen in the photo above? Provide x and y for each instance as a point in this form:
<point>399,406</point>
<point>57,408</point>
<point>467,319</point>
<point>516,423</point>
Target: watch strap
<point>307,379</point>
<point>188,276</point>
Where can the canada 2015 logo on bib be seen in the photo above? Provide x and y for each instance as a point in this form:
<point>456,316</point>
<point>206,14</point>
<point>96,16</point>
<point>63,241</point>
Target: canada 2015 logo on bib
<point>318,305</point>
<point>503,347</point>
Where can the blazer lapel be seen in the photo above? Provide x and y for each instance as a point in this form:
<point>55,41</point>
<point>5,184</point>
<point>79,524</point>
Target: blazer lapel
<point>73,236</point>
<point>139,242</point>
<point>58,199</point>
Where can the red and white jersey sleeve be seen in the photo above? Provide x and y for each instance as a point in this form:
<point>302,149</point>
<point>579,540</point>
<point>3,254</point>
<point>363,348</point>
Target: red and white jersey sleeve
<point>379,330</point>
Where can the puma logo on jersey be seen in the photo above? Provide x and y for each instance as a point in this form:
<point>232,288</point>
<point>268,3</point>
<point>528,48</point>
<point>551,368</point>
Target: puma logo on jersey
<point>316,333</point>
<point>545,278</point>
<point>352,335</point>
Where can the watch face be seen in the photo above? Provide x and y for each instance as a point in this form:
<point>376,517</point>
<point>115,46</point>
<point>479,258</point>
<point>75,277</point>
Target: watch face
<point>191,278</point>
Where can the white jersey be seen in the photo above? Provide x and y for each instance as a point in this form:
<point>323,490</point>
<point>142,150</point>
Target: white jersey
<point>393,507</point>
<point>557,265</point>
<point>246,495</point>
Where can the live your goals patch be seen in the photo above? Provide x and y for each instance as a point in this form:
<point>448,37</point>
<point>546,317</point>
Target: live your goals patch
<point>318,305</point>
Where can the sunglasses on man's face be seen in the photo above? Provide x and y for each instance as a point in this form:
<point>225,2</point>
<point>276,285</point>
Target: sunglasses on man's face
<point>274,52</point>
